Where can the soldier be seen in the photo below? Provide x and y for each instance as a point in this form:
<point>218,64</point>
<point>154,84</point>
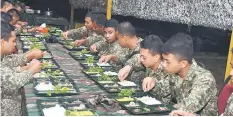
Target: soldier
<point>99,23</point>
<point>228,106</point>
<point>192,87</point>
<point>15,18</point>
<point>12,78</point>
<point>127,38</point>
<point>6,5</point>
<point>84,31</point>
<point>150,57</point>
<point>109,49</point>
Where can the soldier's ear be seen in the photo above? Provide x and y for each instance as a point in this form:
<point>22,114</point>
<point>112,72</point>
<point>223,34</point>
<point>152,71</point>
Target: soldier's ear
<point>184,64</point>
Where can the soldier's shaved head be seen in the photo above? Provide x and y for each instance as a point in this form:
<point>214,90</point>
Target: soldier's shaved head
<point>126,29</point>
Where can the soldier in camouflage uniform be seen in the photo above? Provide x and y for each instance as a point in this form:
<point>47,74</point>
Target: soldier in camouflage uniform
<point>150,57</point>
<point>99,22</point>
<point>85,31</point>
<point>127,38</point>
<point>13,77</point>
<point>109,49</point>
<point>15,18</point>
<point>192,88</point>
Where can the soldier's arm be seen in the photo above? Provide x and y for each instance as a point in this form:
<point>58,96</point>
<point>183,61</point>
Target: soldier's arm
<point>203,89</point>
<point>15,60</point>
<point>120,55</point>
<point>12,80</point>
<point>135,63</point>
<point>162,89</point>
<point>78,33</point>
<point>99,45</point>
<point>93,39</point>
<point>229,107</point>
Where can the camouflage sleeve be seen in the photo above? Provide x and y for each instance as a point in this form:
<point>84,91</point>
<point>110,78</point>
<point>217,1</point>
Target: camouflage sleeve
<point>14,60</point>
<point>229,107</point>
<point>201,93</point>
<point>93,39</point>
<point>162,89</point>
<point>122,58</point>
<point>100,45</point>
<point>121,54</point>
<point>78,33</point>
<point>17,31</point>
<point>135,63</point>
<point>14,80</point>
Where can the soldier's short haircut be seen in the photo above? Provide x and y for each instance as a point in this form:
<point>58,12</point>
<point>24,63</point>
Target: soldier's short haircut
<point>5,17</point>
<point>6,30</point>
<point>112,23</point>
<point>181,45</point>
<point>126,29</point>
<point>6,2</point>
<point>13,13</point>
<point>100,19</point>
<point>18,4</point>
<point>153,43</point>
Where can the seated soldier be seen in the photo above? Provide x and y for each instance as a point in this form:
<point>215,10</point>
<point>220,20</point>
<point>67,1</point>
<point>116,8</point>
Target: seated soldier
<point>127,38</point>
<point>109,49</point>
<point>84,31</point>
<point>150,57</point>
<point>225,100</point>
<point>15,18</point>
<point>192,88</point>
<point>18,6</point>
<point>99,23</point>
<point>13,78</point>
<point>6,5</point>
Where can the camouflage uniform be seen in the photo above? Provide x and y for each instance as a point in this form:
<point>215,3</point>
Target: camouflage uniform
<point>14,60</point>
<point>12,80</point>
<point>79,33</point>
<point>159,75</point>
<point>17,31</point>
<point>132,59</point>
<point>114,48</point>
<point>229,107</point>
<point>196,94</point>
<point>93,39</point>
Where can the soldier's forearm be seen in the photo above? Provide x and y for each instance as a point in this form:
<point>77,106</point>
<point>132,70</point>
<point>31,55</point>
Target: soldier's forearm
<point>23,68</point>
<point>114,58</point>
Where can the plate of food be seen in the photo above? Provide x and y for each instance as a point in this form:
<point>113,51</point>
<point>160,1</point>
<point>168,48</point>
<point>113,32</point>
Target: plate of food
<point>126,83</point>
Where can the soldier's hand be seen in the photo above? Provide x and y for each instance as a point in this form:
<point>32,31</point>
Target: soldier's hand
<point>78,42</point>
<point>148,83</point>
<point>93,48</point>
<point>105,59</point>
<point>65,34</point>
<point>35,67</point>
<point>34,61</point>
<point>37,54</point>
<point>124,72</point>
<point>181,113</point>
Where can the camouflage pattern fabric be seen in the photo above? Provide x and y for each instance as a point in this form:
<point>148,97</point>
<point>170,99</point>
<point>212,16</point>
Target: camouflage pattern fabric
<point>229,107</point>
<point>196,94</point>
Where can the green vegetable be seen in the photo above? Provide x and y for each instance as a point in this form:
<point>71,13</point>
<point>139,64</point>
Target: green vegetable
<point>47,64</point>
<point>36,46</point>
<point>146,109</point>
<point>95,69</point>
<point>126,92</point>
<point>105,77</point>
<point>84,51</point>
<point>90,59</point>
